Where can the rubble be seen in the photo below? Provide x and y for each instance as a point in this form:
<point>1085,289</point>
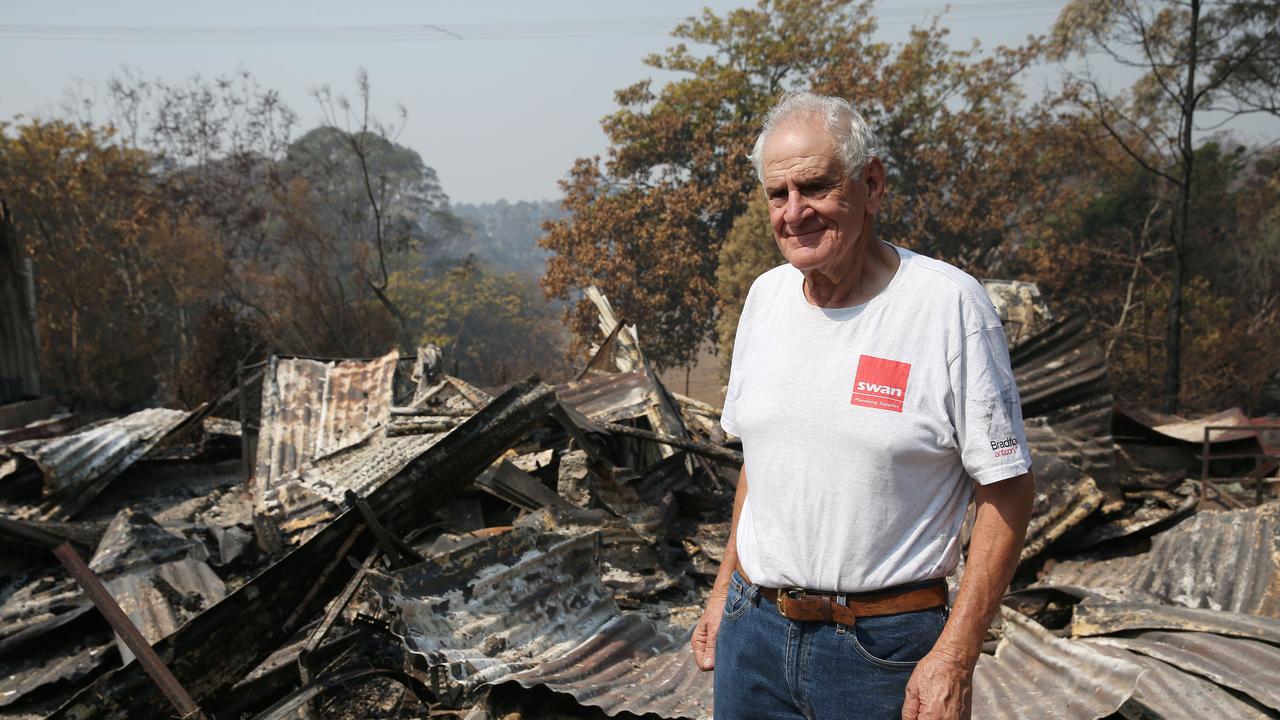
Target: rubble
<point>343,546</point>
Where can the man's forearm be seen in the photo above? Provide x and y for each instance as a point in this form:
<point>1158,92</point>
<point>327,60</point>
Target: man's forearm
<point>1004,508</point>
<point>729,559</point>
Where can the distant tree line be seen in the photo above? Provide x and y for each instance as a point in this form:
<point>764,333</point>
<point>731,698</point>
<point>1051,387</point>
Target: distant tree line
<point>1168,240</point>
<point>193,229</point>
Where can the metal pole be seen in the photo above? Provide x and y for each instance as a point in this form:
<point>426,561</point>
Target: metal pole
<point>128,632</point>
<point>1204,467</point>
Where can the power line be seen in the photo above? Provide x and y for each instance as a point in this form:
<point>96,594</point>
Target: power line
<point>464,32</point>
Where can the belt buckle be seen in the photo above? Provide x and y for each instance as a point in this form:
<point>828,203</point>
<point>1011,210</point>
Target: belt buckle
<point>783,594</point>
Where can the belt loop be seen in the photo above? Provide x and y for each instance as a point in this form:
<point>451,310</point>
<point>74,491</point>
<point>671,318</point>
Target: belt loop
<point>841,599</point>
<point>753,595</point>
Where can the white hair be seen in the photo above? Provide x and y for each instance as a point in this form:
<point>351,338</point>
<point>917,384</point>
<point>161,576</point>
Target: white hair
<point>856,143</point>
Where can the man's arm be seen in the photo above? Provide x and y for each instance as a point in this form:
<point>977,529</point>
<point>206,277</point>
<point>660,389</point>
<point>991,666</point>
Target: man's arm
<point>941,685</point>
<point>704,635</point>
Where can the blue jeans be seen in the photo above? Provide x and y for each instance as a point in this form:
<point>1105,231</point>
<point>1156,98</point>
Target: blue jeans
<point>770,667</point>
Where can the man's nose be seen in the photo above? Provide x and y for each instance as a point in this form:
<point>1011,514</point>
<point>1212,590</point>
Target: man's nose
<point>797,208</point>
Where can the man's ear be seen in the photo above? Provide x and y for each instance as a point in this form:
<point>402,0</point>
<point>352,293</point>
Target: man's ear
<point>873,175</point>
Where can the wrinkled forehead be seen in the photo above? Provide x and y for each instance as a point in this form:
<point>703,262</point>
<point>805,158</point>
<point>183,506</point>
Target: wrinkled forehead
<point>799,137</point>
<point>799,148</point>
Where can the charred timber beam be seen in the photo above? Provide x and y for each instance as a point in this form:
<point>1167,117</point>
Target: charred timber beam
<point>399,553</point>
<point>219,646</point>
<point>712,451</point>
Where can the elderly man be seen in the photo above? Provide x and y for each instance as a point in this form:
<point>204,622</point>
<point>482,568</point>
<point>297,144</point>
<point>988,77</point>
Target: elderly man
<point>872,391</point>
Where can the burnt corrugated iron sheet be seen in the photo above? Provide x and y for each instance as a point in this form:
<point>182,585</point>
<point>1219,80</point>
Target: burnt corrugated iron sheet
<point>311,409</point>
<point>1036,675</point>
<point>610,397</point>
<point>315,496</point>
<point>1166,692</point>
<point>213,651</point>
<point>160,579</point>
<point>1219,560</point>
<point>34,671</point>
<point>1094,617</point>
<point>29,615</point>
<point>1245,665</point>
<point>323,431</point>
<point>628,666</point>
<point>532,609</point>
<point>1177,429</point>
<point>78,466</point>
<point>1062,377</point>
<point>363,468</point>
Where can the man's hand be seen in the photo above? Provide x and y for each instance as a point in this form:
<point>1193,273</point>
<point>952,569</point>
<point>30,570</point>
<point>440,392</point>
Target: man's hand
<point>704,635</point>
<point>940,688</point>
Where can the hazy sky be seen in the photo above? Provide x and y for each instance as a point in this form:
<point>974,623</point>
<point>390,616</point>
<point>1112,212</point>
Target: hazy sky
<point>501,112</point>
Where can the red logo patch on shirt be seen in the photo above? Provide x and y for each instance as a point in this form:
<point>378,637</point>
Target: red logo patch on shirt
<point>880,383</point>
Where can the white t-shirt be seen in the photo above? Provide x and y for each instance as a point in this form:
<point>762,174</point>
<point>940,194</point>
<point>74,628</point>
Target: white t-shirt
<point>861,427</point>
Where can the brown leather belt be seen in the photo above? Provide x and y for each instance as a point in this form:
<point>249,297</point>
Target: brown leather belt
<point>800,604</point>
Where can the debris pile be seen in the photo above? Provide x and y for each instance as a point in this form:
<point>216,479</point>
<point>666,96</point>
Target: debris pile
<point>377,539</point>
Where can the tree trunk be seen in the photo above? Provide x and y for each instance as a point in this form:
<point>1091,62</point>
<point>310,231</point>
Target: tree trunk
<point>1173,338</point>
<point>1173,341</point>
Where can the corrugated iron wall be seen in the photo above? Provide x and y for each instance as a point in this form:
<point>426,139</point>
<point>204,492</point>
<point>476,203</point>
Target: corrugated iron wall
<point>19,368</point>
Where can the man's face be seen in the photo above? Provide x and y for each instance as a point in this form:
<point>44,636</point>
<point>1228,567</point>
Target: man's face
<point>818,215</point>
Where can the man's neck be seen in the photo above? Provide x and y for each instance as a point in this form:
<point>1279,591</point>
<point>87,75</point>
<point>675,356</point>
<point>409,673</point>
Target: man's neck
<point>870,272</point>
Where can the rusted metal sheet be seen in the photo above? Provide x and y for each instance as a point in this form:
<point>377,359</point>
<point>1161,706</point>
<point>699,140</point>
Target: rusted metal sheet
<point>1248,666</point>
<point>78,466</point>
<point>127,632</point>
<point>215,649</point>
<point>1092,617</point>
<point>158,578</point>
<point>532,608</point>
<point>610,397</point>
<point>628,665</point>
<point>1062,377</point>
<point>312,409</point>
<point>1092,455</point>
<point>1166,692</point>
<point>1036,675</point>
<point>323,432</point>
<point>1192,431</point>
<point>1219,560</point>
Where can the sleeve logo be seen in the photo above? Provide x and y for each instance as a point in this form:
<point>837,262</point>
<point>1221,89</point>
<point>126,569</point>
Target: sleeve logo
<point>880,383</point>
